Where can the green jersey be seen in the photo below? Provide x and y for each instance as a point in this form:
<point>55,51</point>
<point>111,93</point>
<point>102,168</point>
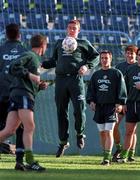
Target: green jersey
<point>133,76</point>
<point>70,63</point>
<point>123,66</point>
<point>107,87</point>
<point>22,85</point>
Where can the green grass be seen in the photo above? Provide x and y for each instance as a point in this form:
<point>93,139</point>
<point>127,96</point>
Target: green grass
<point>71,167</point>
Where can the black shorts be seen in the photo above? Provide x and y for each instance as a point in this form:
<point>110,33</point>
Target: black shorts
<point>21,102</point>
<point>133,112</point>
<point>105,113</point>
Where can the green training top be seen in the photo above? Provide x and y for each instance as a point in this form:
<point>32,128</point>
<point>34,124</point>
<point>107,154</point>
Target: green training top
<point>123,67</point>
<point>133,76</point>
<point>22,85</point>
<point>70,63</point>
<point>107,86</point>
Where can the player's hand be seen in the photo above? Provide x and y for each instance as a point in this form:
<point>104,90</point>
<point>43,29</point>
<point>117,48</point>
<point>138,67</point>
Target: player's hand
<point>35,78</point>
<point>92,106</point>
<point>118,108</point>
<point>43,85</point>
<point>83,69</point>
<point>137,85</point>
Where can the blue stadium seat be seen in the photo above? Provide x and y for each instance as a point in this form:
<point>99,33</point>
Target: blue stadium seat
<point>21,6</point>
<point>1,5</point>
<point>112,39</point>
<point>61,21</point>
<point>6,18</point>
<point>87,36</point>
<point>92,22</point>
<point>124,7</point>
<point>71,6</point>
<point>116,23</point>
<point>36,21</point>
<point>48,6</point>
<point>53,36</point>
<point>98,6</point>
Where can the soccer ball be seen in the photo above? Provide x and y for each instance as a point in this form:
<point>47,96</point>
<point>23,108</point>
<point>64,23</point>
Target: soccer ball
<point>69,44</point>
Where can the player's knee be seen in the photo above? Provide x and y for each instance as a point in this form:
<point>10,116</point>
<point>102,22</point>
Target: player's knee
<point>11,132</point>
<point>30,128</point>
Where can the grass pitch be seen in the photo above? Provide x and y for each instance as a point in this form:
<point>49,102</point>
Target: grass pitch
<point>71,167</point>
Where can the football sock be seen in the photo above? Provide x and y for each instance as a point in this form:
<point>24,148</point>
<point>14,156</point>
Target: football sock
<point>19,155</point>
<point>124,154</point>
<point>107,154</point>
<point>29,156</point>
<point>119,147</point>
<point>131,153</point>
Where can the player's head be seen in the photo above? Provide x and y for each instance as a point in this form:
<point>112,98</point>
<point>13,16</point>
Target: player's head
<point>130,53</point>
<point>105,59</point>
<point>73,28</point>
<point>138,55</point>
<point>39,42</point>
<point>12,31</point>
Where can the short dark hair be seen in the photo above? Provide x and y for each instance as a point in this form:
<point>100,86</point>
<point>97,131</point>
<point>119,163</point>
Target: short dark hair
<point>75,21</point>
<point>132,48</point>
<point>37,40</point>
<point>12,31</point>
<point>106,52</point>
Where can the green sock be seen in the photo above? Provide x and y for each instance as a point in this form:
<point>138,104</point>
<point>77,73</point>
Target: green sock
<point>131,153</point>
<point>124,154</point>
<point>119,147</point>
<point>29,156</point>
<point>107,155</point>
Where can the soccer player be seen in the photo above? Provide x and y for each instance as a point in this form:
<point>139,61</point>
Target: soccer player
<point>130,55</point>
<point>9,52</point>
<point>22,96</point>
<point>132,79</point>
<point>106,95</point>
<point>70,68</point>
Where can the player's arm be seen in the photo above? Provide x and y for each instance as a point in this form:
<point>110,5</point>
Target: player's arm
<point>91,91</point>
<point>122,92</point>
<point>51,62</point>
<point>92,56</point>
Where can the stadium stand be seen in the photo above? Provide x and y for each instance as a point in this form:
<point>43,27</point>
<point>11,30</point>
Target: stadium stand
<point>125,7</point>
<point>92,22</point>
<point>36,21</point>
<point>117,23</point>
<point>101,7</point>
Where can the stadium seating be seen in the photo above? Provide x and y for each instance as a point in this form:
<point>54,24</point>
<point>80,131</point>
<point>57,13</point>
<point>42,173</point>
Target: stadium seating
<point>71,7</point>
<point>98,7</point>
<point>61,21</point>
<point>36,21</point>
<point>94,15</point>
<point>116,23</point>
<point>6,18</point>
<point>92,22</point>
<point>45,6</point>
<point>124,7</point>
<point>20,6</point>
